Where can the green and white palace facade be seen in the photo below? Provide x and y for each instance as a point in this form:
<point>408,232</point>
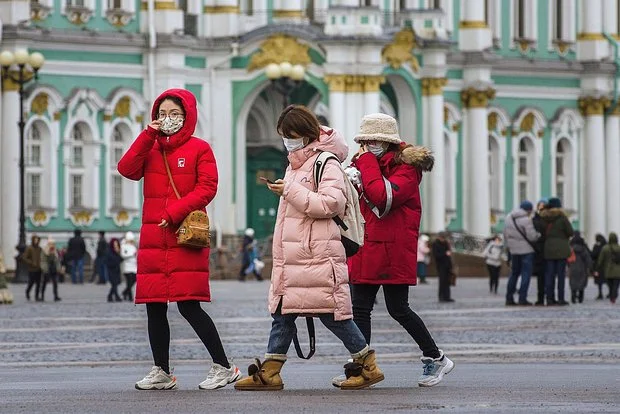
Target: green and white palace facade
<point>517,99</point>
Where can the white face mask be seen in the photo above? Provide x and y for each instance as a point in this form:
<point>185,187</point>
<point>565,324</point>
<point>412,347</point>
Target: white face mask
<point>169,126</point>
<point>376,149</point>
<point>293,144</point>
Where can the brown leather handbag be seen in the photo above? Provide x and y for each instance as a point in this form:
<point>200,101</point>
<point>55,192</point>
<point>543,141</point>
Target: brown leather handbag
<point>194,230</point>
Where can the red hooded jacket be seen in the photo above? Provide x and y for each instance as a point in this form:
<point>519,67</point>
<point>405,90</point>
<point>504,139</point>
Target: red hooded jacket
<point>167,271</point>
<point>389,253</point>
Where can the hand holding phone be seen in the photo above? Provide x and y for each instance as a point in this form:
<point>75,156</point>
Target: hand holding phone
<point>266,180</point>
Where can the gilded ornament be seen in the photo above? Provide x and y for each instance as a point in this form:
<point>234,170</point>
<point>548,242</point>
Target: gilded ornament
<point>38,12</point>
<point>492,121</point>
<point>590,36</point>
<point>122,108</point>
<point>221,10</point>
<point>39,216</point>
<point>9,85</point>
<point>287,14</point>
<point>562,47</point>
<point>615,111</point>
<point>433,86</point>
<point>122,216</point>
<point>40,104</point>
<point>57,116</point>
<point>527,123</point>
<point>474,98</point>
<point>589,105</point>
<point>524,45</point>
<point>354,83</point>
<point>473,24</point>
<point>82,217</point>
<point>277,49</point>
<point>139,118</point>
<point>400,51</point>
<point>107,117</point>
<point>160,5</point>
<point>446,114</point>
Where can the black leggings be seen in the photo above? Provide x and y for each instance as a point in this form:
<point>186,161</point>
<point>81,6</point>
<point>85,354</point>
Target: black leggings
<point>493,277</point>
<point>397,303</point>
<point>159,332</point>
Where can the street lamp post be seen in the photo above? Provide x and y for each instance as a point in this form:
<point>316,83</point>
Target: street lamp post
<point>28,66</point>
<point>285,78</point>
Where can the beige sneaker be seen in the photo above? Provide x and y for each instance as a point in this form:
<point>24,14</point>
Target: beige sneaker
<point>157,379</point>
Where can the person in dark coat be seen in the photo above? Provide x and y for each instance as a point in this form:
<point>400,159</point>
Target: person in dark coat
<point>76,250</point>
<point>609,262</point>
<point>599,243</point>
<point>539,253</point>
<point>32,258</point>
<point>579,268</point>
<point>442,256</point>
<point>101,270</point>
<point>558,231</point>
<point>113,260</point>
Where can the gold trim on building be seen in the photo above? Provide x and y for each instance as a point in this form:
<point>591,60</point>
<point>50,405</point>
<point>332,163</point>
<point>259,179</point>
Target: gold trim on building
<point>433,86</point>
<point>277,49</point>
<point>590,36</point>
<point>57,116</point>
<point>474,98</point>
<point>290,14</point>
<point>400,51</point>
<point>590,105</point>
<point>221,10</point>
<point>8,85</point>
<point>107,117</point>
<point>492,121</point>
<point>139,118</point>
<point>39,104</point>
<point>527,123</point>
<point>473,24</point>
<point>354,83</point>
<point>160,5</point>
<point>122,108</point>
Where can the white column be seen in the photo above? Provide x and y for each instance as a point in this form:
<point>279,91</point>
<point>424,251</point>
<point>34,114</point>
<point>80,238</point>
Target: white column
<point>221,18</point>
<point>472,10</point>
<point>9,145</point>
<point>168,17</point>
<point>612,161</point>
<point>591,44</point>
<point>594,180</point>
<point>434,207</point>
<point>474,33</point>
<point>592,16</point>
<point>287,11</point>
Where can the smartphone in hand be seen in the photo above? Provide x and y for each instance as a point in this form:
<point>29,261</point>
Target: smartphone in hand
<point>267,180</point>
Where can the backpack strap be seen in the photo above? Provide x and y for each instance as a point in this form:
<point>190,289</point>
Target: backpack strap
<point>319,167</point>
<point>312,336</point>
<point>388,201</point>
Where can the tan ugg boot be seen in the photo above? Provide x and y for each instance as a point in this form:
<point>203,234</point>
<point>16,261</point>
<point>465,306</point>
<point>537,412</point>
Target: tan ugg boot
<point>362,372</point>
<point>262,376</point>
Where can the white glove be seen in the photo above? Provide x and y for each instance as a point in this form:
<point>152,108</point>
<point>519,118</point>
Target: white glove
<point>355,176</point>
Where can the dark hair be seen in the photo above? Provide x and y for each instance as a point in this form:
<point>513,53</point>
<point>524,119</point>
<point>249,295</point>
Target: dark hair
<point>77,232</point>
<point>322,120</point>
<point>172,98</point>
<point>301,121</point>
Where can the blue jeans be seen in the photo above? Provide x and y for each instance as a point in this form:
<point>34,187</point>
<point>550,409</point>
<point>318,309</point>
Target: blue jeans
<point>421,271</point>
<point>283,329</point>
<point>77,271</point>
<point>522,265</point>
<point>555,268</point>
<point>102,270</point>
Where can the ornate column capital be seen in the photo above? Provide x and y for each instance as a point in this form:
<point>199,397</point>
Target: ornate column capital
<point>354,83</point>
<point>160,5</point>
<point>591,105</point>
<point>475,98</point>
<point>433,86</point>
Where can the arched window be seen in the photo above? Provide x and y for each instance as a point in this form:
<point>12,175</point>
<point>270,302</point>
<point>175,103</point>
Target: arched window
<point>120,136</point>
<point>525,170</point>
<point>78,173</point>
<point>495,175</point>
<point>34,145</point>
<point>564,173</point>
<point>448,175</point>
<point>77,145</point>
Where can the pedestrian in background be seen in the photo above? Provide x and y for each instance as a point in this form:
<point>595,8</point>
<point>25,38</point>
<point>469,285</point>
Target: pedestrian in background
<point>600,279</point>
<point>579,267</point>
<point>101,270</point>
<point>309,263</point>
<point>539,253</point>
<point>129,253</point>
<point>6,296</point>
<point>167,271</point>
<point>76,251</point>
<point>32,258</point>
<point>251,263</point>
<point>390,172</point>
<point>520,236</point>
<point>113,262</point>
<point>558,231</point>
<point>50,266</point>
<point>442,256</point>
<point>609,263</point>
<point>424,257</point>
<point>493,254</point>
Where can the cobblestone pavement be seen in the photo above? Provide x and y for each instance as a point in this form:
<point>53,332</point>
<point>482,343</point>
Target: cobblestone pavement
<point>85,329</point>
<point>83,355</point>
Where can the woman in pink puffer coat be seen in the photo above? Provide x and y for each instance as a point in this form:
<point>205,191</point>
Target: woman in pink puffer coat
<point>309,264</point>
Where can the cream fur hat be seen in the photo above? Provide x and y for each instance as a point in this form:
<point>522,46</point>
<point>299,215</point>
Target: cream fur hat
<point>378,127</point>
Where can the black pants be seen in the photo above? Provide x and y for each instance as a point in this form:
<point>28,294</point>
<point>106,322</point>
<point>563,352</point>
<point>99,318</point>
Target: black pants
<point>113,295</point>
<point>576,295</point>
<point>130,280</point>
<point>613,289</point>
<point>397,303</point>
<point>493,277</point>
<point>540,288</point>
<point>159,332</point>
<point>53,277</point>
<point>34,279</point>
<point>443,273</point>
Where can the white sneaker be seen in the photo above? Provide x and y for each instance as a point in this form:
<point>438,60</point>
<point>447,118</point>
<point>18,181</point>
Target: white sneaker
<point>434,370</point>
<point>157,379</point>
<point>219,377</point>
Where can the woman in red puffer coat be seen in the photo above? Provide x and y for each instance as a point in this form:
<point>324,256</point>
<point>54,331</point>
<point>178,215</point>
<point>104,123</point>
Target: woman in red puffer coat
<point>388,174</point>
<point>168,272</point>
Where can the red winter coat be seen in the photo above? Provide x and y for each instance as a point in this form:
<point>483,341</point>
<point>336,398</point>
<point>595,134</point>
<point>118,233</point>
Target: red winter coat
<point>389,254</point>
<point>167,271</point>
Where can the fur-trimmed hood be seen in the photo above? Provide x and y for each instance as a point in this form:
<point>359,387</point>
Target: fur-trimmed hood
<point>552,214</point>
<point>416,156</point>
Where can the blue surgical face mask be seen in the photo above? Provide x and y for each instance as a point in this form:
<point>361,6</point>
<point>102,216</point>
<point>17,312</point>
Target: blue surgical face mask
<point>376,149</point>
<point>293,144</point>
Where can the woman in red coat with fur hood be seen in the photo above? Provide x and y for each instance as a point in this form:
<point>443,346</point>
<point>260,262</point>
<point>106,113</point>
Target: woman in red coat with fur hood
<point>168,272</point>
<point>388,173</point>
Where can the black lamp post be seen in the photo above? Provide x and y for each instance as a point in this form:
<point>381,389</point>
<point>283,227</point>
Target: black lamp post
<point>28,66</point>
<point>285,78</point>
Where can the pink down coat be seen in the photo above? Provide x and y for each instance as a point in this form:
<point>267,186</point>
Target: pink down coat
<point>309,263</point>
